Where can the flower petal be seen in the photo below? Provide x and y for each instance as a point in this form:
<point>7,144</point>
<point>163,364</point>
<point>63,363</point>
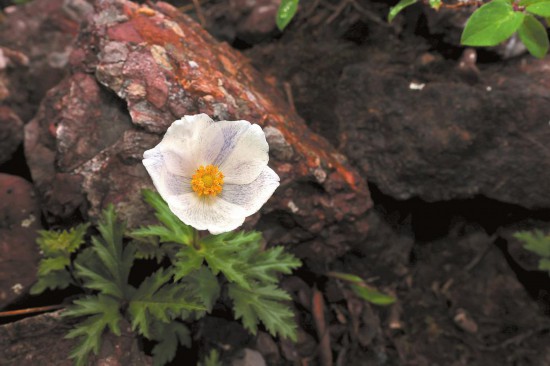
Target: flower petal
<point>181,144</point>
<point>245,152</point>
<point>252,196</point>
<point>165,182</point>
<point>212,213</point>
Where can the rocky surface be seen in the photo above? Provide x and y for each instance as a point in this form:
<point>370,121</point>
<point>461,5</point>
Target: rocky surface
<point>415,133</point>
<point>85,145</point>
<point>40,340</point>
<point>35,43</point>
<point>11,133</point>
<point>19,221</point>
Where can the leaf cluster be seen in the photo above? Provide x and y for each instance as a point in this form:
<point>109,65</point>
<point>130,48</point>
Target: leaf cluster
<point>539,243</point>
<point>184,289</point>
<point>498,20</point>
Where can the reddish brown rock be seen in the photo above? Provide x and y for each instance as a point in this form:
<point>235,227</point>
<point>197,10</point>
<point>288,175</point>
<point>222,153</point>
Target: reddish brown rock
<point>36,40</point>
<point>19,222</point>
<point>162,65</point>
<point>11,133</point>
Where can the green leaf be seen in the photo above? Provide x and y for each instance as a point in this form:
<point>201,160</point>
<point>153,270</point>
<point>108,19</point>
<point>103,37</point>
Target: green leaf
<point>346,277</point>
<point>104,313</point>
<point>53,280</point>
<point>265,304</point>
<point>529,2</point>
<point>53,264</point>
<point>285,13</point>
<point>533,35</point>
<point>169,336</point>
<point>491,24</point>
<point>203,285</point>
<point>535,241</point>
<point>265,266</point>
<point>544,264</point>
<point>373,296</point>
<point>175,231</point>
<point>157,299</point>
<point>61,243</point>
<point>540,8</point>
<point>106,266</point>
<point>435,4</point>
<point>187,261</point>
<point>394,10</point>
<point>213,359</point>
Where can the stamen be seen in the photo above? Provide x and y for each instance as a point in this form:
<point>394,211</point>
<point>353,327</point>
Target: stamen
<point>207,181</point>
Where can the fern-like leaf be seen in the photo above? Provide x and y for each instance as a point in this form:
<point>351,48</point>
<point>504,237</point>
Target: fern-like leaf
<point>157,299</point>
<point>103,312</point>
<point>265,304</point>
<point>203,285</point>
<point>53,280</point>
<point>168,336</point>
<point>106,266</point>
<point>61,243</point>
<point>265,266</point>
<point>174,229</point>
<point>535,241</point>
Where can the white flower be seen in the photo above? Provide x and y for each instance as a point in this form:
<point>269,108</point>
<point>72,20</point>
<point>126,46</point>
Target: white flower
<point>212,174</point>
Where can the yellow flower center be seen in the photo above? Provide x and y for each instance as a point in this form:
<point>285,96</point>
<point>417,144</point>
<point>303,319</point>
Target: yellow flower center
<point>207,181</point>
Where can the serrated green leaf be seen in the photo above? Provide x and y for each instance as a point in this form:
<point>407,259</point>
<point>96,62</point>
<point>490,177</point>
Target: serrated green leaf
<point>187,261</point>
<point>491,24</point>
<point>402,4</point>
<point>157,299</point>
<point>53,280</point>
<point>373,296</point>
<point>104,312</point>
<point>177,231</point>
<point>61,243</point>
<point>168,336</point>
<point>533,35</point>
<point>265,266</point>
<point>540,8</point>
<point>106,265</point>
<point>52,264</point>
<point>287,10</point>
<point>203,285</point>
<point>535,241</point>
<point>213,359</point>
<point>265,304</point>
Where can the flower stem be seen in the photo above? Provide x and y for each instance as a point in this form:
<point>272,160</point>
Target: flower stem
<point>196,239</point>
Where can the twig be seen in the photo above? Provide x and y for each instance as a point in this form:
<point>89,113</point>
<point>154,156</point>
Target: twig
<point>325,352</point>
<point>289,95</point>
<point>41,309</point>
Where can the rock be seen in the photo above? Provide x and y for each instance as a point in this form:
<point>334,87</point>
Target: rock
<point>85,151</point>
<point>419,134</point>
<point>249,358</point>
<point>40,340</point>
<point>37,37</point>
<point>19,222</point>
<point>11,133</point>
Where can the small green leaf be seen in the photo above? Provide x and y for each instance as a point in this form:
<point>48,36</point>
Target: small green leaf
<point>203,285</point>
<point>213,359</point>
<point>435,4</point>
<point>285,13</point>
<point>535,241</point>
<point>52,280</point>
<point>104,312</point>
<point>187,260</point>
<point>394,10</point>
<point>61,243</point>
<point>346,277</point>
<point>373,296</point>
<point>544,264</point>
<point>540,8</point>
<point>491,24</point>
<point>265,304</point>
<point>169,336</point>
<point>533,35</point>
